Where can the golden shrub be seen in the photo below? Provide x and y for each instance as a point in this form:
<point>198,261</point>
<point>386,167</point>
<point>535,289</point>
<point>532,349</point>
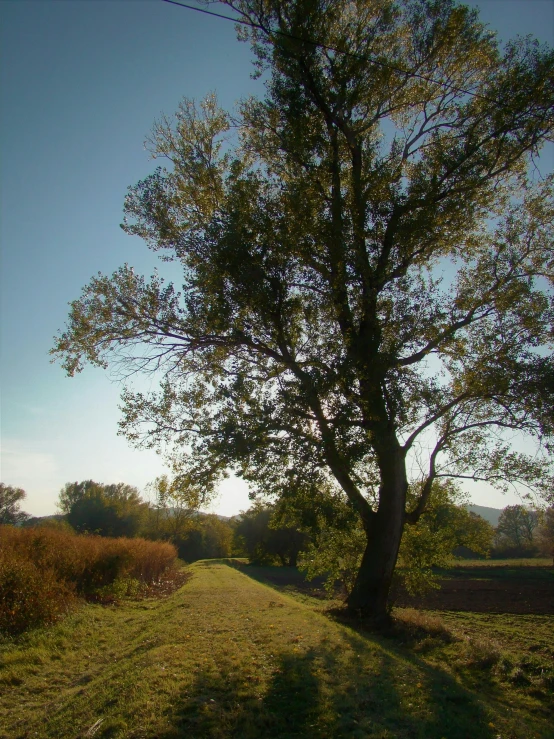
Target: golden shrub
<point>42,569</point>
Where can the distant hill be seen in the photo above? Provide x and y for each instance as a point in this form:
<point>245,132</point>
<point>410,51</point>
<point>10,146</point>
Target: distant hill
<point>489,514</point>
<point>199,514</point>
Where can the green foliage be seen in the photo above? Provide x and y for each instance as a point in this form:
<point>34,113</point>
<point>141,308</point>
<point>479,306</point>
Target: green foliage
<point>445,525</point>
<point>108,510</point>
<point>206,537</point>
<point>175,505</point>
<point>312,227</point>
<point>336,554</point>
<point>10,500</point>
<point>259,535</point>
<point>174,517</point>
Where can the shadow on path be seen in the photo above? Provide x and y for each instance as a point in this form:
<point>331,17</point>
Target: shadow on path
<point>374,688</point>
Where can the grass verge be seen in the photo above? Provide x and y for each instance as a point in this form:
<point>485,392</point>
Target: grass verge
<point>226,656</point>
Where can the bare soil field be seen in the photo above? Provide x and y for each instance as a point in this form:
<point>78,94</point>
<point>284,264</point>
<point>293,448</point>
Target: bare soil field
<point>495,590</point>
<point>480,589</point>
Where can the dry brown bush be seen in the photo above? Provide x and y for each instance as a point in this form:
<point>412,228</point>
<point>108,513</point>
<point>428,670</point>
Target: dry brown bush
<point>41,570</point>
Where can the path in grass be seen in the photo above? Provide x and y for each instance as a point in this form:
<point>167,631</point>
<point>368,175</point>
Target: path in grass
<point>226,656</point>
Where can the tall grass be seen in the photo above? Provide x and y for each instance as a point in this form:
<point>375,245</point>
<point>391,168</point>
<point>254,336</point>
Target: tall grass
<point>43,570</point>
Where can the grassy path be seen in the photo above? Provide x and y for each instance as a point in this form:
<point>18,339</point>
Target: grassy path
<point>226,656</point>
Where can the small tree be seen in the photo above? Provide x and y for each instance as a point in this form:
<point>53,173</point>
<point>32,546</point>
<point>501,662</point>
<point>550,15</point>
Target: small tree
<point>217,537</point>
<point>205,537</point>
<point>10,501</point>
<point>260,535</point>
<point>173,508</point>
<point>446,524</point>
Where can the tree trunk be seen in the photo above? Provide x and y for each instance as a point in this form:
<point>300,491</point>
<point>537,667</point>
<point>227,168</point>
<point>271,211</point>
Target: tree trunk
<point>370,594</point>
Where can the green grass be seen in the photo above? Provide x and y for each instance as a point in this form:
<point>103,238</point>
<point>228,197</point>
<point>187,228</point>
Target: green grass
<point>227,656</point>
<point>501,570</point>
<point>534,562</point>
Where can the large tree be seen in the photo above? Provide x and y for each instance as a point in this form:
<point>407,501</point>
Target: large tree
<point>367,269</point>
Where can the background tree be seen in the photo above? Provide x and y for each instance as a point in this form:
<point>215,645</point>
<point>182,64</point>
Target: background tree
<point>367,269</point>
<point>108,510</point>
<point>259,535</point>
<point>74,491</point>
<point>204,537</point>
<point>545,533</point>
<point>10,502</point>
<point>217,537</point>
<point>172,510</point>
<point>515,532</point>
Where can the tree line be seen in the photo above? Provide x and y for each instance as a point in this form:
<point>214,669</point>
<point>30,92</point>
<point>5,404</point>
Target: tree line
<point>268,534</point>
<point>117,510</point>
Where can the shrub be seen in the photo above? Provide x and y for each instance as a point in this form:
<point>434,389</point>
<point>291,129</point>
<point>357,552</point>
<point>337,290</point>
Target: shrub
<point>29,596</point>
<point>42,569</point>
<point>336,551</point>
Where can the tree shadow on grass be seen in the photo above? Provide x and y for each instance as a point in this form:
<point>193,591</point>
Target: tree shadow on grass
<point>366,704</point>
<point>283,579</point>
<point>317,693</point>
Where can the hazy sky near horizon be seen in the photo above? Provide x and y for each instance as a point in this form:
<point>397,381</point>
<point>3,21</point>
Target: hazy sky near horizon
<point>82,82</point>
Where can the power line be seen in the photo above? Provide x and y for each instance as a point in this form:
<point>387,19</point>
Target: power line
<point>361,57</point>
<point>210,12</point>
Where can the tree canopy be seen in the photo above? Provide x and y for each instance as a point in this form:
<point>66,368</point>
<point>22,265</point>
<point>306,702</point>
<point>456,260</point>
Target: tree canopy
<point>260,535</point>
<point>546,533</point>
<point>108,510</point>
<point>516,529</point>
<point>367,269</point>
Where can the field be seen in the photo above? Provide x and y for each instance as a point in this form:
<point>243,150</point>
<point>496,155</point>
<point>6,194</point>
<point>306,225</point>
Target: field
<point>488,586</point>
<point>229,656</point>
<point>493,587</point>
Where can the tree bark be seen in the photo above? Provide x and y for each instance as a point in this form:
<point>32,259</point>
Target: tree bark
<point>370,595</point>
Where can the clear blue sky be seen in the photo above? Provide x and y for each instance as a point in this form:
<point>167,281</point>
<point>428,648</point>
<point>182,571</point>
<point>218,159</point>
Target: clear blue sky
<point>81,84</point>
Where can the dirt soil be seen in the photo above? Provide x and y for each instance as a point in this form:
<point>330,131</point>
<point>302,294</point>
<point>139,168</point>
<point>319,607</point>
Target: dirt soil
<point>502,592</point>
<point>486,590</point>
